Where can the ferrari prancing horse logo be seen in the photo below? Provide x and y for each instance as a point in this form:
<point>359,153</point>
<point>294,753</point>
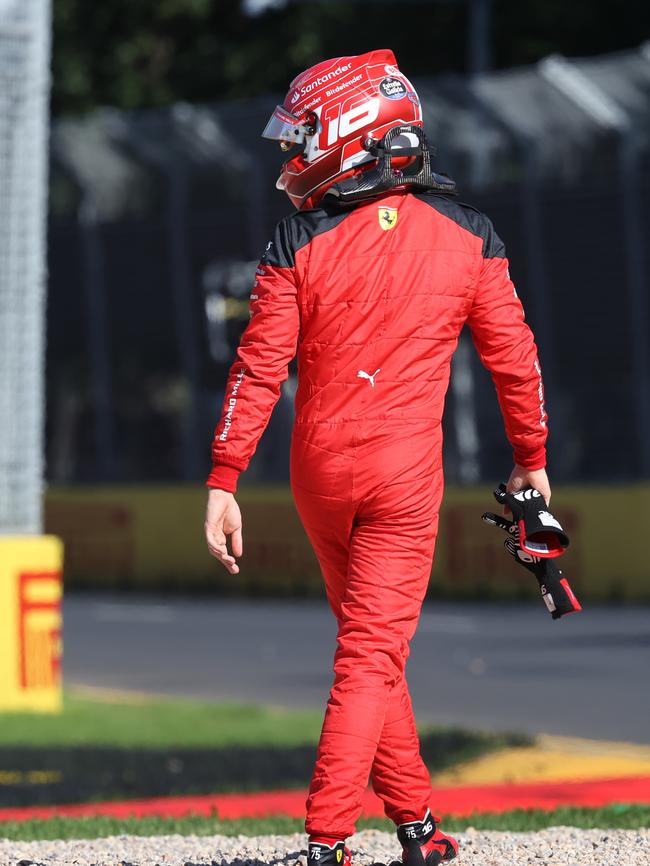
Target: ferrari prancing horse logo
<point>339,856</point>
<point>387,218</point>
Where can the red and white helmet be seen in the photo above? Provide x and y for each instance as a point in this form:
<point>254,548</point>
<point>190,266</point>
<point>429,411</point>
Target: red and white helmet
<point>331,110</point>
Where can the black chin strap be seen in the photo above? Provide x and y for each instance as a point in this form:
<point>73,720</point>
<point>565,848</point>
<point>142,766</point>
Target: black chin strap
<point>418,175</point>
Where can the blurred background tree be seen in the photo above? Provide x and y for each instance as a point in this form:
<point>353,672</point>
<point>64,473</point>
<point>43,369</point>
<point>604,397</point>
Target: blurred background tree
<point>137,53</point>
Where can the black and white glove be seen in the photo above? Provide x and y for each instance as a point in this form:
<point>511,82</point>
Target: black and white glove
<point>558,596</point>
<point>540,533</point>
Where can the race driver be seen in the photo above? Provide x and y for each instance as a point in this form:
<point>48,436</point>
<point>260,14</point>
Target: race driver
<point>370,282</point>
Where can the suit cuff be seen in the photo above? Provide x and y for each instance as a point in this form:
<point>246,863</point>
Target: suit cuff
<point>530,458</point>
<point>224,477</point>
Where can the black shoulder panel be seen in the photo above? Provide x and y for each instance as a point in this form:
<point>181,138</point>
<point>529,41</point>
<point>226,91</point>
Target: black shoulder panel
<point>297,230</point>
<point>470,219</point>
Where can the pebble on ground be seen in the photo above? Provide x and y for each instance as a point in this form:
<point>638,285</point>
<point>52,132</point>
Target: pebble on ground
<point>556,846</point>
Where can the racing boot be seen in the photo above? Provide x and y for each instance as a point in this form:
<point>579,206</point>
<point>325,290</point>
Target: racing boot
<point>423,844</point>
<point>322,854</point>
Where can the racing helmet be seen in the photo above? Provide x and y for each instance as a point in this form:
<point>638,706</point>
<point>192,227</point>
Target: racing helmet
<point>333,113</point>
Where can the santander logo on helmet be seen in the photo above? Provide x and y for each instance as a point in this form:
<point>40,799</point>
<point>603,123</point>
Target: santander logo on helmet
<point>330,112</point>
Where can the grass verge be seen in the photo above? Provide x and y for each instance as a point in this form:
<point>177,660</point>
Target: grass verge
<point>116,746</point>
<point>149,723</point>
<point>521,820</point>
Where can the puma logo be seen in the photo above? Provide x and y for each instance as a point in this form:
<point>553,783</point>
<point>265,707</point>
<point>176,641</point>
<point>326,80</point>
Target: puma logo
<point>363,375</point>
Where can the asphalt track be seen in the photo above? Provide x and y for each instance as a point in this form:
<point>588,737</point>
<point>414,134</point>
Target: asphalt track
<point>499,667</point>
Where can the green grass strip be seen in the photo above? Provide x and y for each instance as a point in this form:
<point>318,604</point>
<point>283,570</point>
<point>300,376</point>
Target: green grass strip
<point>158,723</point>
<point>521,820</point>
<point>142,722</point>
<point>116,746</point>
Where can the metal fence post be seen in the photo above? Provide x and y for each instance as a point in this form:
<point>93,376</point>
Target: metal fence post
<point>638,286</point>
<point>177,218</point>
<point>533,232</point>
<point>173,168</point>
<point>479,54</point>
<point>609,115</point>
<point>97,341</point>
<point>96,320</point>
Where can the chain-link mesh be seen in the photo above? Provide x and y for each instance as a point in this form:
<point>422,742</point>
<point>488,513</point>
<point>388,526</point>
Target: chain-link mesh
<point>24,92</point>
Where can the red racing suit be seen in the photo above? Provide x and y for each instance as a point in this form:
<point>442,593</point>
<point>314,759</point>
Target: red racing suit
<point>373,299</point>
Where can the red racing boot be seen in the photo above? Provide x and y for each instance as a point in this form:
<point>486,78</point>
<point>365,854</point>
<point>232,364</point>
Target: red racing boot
<point>322,854</point>
<point>423,844</point>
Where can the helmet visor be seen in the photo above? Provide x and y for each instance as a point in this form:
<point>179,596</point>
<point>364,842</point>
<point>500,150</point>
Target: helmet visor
<point>284,126</point>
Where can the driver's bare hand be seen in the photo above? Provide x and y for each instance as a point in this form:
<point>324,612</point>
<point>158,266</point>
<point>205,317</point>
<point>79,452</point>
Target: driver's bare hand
<point>223,519</point>
<point>521,478</point>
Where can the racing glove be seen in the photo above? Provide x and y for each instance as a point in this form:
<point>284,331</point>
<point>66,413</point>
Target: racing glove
<point>540,533</point>
<point>557,595</point>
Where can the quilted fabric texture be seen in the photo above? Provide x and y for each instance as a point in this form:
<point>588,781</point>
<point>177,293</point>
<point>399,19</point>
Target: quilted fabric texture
<point>373,299</point>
